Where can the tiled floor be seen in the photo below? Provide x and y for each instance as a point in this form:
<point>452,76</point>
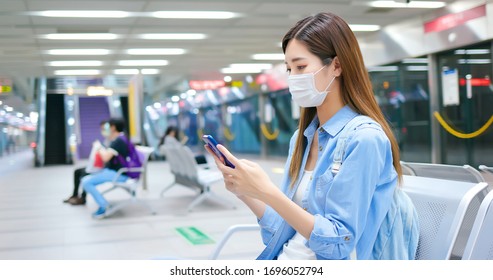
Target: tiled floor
<point>35,224</point>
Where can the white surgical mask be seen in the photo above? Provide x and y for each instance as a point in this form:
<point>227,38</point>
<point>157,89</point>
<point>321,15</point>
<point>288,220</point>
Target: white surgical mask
<point>303,89</point>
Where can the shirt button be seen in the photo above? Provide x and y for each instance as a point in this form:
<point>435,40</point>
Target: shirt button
<point>320,148</point>
<point>347,238</point>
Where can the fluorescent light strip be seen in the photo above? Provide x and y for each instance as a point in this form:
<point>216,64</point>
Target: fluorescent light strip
<point>364,27</point>
<point>239,71</point>
<point>126,71</point>
<point>169,51</point>
<point>143,62</point>
<point>150,71</point>
<point>411,4</point>
<point>135,71</point>
<point>474,61</point>
<point>268,56</point>
<point>83,14</point>
<point>473,51</point>
<point>416,68</point>
<point>415,60</point>
<point>194,14</point>
<point>75,63</point>
<point>77,72</point>
<point>261,66</point>
<point>173,36</point>
<point>80,36</point>
<point>78,52</point>
<point>383,69</point>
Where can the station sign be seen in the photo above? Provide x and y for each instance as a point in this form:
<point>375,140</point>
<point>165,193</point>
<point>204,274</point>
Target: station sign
<point>206,84</point>
<point>453,20</point>
<point>5,85</point>
<point>5,89</point>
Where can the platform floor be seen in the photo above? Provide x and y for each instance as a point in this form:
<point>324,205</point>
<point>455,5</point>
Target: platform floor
<point>35,224</point>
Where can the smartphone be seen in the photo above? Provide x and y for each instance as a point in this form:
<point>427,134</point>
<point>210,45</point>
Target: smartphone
<point>212,143</point>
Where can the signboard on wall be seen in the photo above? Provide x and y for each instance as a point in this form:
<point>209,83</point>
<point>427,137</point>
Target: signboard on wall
<point>453,20</point>
<point>450,86</point>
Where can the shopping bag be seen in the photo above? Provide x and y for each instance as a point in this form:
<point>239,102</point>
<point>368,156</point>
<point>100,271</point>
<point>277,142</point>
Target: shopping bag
<point>95,161</point>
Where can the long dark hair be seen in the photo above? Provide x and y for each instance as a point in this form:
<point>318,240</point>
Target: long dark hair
<point>170,129</point>
<point>326,35</point>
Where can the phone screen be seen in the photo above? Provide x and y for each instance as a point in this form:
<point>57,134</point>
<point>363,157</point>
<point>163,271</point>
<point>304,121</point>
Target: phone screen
<point>212,143</point>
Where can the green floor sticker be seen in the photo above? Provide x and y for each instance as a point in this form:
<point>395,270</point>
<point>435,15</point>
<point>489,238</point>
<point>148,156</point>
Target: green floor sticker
<point>194,236</point>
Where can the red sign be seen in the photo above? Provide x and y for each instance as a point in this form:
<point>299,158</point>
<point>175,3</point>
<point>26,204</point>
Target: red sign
<point>476,82</point>
<point>204,85</point>
<point>452,20</point>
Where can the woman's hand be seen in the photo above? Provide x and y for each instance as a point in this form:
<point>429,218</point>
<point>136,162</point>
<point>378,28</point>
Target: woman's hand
<point>246,179</point>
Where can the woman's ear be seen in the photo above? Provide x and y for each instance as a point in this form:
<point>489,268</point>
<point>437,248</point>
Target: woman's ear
<point>337,66</point>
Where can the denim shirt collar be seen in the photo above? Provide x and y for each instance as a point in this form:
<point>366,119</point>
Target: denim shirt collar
<point>334,125</point>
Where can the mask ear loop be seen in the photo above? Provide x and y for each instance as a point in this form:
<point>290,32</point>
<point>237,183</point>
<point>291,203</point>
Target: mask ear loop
<point>325,90</point>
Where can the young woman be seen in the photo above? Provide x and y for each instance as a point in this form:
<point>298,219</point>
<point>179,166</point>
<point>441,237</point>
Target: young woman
<point>332,204</point>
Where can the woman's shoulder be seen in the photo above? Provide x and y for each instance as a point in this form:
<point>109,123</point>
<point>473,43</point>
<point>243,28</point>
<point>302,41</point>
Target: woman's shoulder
<point>366,129</point>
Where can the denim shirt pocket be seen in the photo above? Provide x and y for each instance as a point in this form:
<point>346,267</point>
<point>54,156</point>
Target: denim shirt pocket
<point>322,184</point>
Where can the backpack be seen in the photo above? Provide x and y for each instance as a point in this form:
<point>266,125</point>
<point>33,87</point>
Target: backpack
<point>401,218</point>
<point>133,160</point>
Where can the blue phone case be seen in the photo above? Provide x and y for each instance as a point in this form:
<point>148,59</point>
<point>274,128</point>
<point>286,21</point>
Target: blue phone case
<point>212,143</point>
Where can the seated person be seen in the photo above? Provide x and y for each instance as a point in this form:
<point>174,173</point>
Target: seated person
<point>117,146</point>
<point>171,138</point>
<point>79,173</point>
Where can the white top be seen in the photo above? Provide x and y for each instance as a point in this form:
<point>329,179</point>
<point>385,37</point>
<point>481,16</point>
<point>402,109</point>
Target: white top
<point>295,248</point>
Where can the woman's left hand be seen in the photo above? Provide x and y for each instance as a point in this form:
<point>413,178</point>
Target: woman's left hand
<point>247,178</point>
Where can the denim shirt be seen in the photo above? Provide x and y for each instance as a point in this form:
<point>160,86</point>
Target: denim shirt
<point>349,207</point>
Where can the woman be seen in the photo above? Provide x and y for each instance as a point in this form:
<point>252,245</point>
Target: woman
<point>170,138</point>
<point>329,208</point>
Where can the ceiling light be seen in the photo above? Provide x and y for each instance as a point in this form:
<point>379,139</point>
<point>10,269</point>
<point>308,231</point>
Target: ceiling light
<point>143,62</point>
<point>194,14</point>
<point>156,51</point>
<point>75,63</point>
<point>239,71</point>
<point>474,61</point>
<point>77,72</point>
<point>149,71</point>
<point>268,56</point>
<point>173,36</point>
<point>126,71</point>
<point>473,51</point>
<point>411,4</point>
<point>175,98</point>
<point>415,68</point>
<point>83,14</point>
<point>80,36</point>
<point>364,27</point>
<point>261,66</point>
<point>415,60</point>
<point>383,69</point>
<point>78,52</point>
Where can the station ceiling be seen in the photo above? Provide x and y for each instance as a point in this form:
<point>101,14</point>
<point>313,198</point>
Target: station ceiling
<point>27,47</point>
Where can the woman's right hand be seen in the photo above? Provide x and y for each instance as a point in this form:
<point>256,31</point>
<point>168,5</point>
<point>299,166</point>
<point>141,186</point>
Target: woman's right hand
<point>246,179</point>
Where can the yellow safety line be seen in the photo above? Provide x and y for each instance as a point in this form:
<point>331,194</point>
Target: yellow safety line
<point>200,133</point>
<point>459,134</point>
<point>227,133</point>
<point>267,134</point>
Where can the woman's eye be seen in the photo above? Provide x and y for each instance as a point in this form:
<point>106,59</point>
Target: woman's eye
<point>300,67</point>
